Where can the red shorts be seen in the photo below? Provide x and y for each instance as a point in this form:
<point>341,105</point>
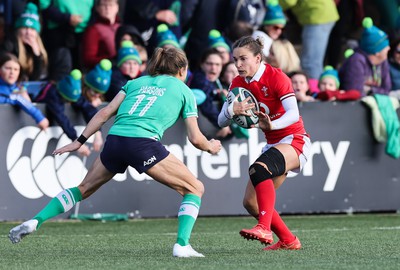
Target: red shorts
<point>300,142</point>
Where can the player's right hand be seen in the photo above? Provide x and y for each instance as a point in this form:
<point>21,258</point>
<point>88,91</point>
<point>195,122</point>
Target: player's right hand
<point>216,146</point>
<point>73,146</point>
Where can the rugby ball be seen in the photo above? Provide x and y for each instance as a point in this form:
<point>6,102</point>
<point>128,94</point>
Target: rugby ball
<point>239,94</point>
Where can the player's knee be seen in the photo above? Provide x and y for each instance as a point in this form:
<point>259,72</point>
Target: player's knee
<point>259,173</point>
<point>200,188</point>
<point>196,188</point>
<point>269,165</point>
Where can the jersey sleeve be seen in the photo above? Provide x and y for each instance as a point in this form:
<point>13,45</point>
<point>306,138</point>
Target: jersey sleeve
<point>189,103</point>
<point>126,86</point>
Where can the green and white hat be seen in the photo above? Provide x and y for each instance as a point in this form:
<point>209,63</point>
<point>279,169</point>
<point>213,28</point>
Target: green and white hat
<point>29,18</point>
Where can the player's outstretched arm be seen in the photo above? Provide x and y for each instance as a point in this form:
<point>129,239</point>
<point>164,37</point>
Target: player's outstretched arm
<point>198,139</point>
<point>94,124</point>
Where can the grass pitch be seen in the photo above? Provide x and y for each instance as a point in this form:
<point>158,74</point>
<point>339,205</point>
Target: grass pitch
<point>367,241</point>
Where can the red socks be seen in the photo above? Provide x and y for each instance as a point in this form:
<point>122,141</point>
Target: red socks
<point>266,202</point>
<point>267,215</point>
<point>280,229</point>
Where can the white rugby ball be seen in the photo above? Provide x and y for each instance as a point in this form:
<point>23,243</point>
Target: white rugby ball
<point>239,94</point>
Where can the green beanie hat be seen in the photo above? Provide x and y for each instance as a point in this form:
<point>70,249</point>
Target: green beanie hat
<point>348,53</point>
<point>330,72</point>
<point>29,18</point>
<point>99,78</point>
<point>216,40</point>
<point>70,86</point>
<point>274,14</point>
<point>373,39</point>
<point>166,36</point>
<point>127,52</point>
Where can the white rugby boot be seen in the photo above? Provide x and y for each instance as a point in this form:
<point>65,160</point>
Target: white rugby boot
<point>20,231</point>
<point>185,251</point>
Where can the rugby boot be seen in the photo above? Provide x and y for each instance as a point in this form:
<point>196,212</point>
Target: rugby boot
<point>20,231</point>
<point>185,251</point>
<point>258,232</point>
<point>294,245</point>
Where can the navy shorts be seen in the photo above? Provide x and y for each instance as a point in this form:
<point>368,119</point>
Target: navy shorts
<point>140,153</point>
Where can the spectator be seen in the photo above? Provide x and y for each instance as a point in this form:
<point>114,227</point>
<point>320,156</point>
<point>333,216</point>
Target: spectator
<point>394,64</point>
<point>146,15</point>
<point>68,90</point>
<point>9,10</point>
<point>97,81</point>
<point>202,16</point>
<point>143,58</point>
<point>216,40</point>
<point>317,18</point>
<point>166,37</point>
<point>207,79</point>
<point>272,26</point>
<point>64,22</point>
<point>329,87</point>
<point>284,56</point>
<point>351,14</point>
<point>301,87</point>
<point>127,68</point>
<point>98,40</point>
<point>229,71</point>
<point>239,29</point>
<point>12,93</point>
<point>367,70</point>
<point>27,45</point>
<point>130,32</point>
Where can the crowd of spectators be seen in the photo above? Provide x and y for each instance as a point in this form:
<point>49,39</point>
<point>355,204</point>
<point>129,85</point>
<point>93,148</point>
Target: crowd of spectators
<point>109,42</point>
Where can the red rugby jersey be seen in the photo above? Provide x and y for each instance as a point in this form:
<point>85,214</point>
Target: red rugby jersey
<point>271,86</point>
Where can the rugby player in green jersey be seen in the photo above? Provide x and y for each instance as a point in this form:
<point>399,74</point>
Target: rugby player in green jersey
<point>143,109</point>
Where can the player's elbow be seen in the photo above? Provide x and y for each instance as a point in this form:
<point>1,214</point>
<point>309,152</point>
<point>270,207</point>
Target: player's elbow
<point>196,141</point>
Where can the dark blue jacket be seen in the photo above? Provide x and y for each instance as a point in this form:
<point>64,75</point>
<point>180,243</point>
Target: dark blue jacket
<point>208,108</point>
<point>55,107</point>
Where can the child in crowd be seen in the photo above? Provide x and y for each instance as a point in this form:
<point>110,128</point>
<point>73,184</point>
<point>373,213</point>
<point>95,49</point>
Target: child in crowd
<point>127,68</point>
<point>217,41</point>
<point>97,82</point>
<point>11,93</point>
<point>229,71</point>
<point>329,87</point>
<point>131,33</point>
<point>301,87</point>
<point>166,37</point>
<point>68,90</point>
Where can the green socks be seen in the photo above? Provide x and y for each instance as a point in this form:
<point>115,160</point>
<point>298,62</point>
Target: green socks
<point>62,203</point>
<point>187,215</point>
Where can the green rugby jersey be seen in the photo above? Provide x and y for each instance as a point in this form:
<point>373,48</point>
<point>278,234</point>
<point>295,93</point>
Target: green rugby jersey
<point>152,105</point>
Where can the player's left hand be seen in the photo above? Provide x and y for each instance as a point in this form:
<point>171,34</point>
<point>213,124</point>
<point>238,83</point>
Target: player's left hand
<point>264,122</point>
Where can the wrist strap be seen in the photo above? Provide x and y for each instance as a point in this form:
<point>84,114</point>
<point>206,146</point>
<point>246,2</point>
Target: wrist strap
<point>82,139</point>
<point>230,110</point>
